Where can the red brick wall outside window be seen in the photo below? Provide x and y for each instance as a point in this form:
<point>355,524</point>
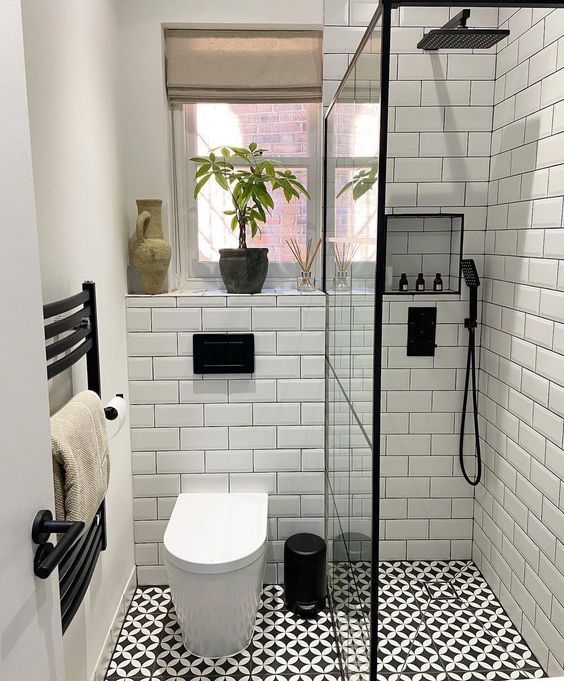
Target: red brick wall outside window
<point>281,129</point>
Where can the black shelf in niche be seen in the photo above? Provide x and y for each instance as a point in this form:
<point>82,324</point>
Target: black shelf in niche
<point>427,243</point>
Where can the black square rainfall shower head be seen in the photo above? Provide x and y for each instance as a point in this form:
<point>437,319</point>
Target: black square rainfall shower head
<point>462,38</point>
<point>455,35</point>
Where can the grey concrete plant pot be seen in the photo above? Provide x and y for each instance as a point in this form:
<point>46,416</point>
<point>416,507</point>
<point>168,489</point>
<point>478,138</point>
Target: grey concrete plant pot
<point>243,270</point>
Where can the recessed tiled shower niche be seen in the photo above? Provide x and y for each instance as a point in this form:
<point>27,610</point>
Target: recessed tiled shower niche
<point>428,244</point>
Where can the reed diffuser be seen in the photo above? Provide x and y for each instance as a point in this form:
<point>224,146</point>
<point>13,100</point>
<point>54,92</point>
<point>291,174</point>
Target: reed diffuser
<point>305,260</point>
<point>344,254</point>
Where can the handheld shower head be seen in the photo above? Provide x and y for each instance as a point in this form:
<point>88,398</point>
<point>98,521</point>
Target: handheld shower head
<point>470,273</point>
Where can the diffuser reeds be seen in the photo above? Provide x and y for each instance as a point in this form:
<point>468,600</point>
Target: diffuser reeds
<point>304,260</point>
<point>344,254</point>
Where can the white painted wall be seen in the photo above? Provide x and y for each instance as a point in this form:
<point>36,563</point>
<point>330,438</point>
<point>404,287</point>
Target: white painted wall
<point>30,639</point>
<point>71,57</point>
<point>144,105</point>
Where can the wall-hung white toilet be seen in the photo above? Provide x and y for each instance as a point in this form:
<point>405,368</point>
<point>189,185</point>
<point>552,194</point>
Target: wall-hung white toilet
<point>215,553</point>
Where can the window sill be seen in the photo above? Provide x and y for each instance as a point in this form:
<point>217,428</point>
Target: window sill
<point>220,298</point>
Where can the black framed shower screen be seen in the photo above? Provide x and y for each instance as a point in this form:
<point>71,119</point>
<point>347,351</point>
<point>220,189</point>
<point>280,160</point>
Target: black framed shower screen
<point>383,18</point>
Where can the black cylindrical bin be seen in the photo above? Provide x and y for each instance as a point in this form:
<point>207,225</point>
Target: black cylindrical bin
<point>305,574</point>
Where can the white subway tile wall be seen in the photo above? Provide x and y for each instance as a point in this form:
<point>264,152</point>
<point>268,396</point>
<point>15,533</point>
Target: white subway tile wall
<point>441,110</point>
<point>519,519</point>
<point>345,22</point>
<point>235,433</point>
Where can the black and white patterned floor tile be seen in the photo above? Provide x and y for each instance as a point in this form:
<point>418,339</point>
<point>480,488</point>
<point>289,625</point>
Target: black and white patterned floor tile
<point>283,646</point>
<point>437,621</point>
<point>138,645</point>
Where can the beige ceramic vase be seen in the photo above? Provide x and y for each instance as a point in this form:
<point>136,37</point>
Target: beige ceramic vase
<point>150,252</point>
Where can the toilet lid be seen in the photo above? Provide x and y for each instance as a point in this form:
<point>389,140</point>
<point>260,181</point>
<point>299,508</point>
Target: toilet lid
<point>212,533</point>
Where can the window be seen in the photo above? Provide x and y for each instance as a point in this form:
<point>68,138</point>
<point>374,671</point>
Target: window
<point>356,148</point>
<point>289,131</point>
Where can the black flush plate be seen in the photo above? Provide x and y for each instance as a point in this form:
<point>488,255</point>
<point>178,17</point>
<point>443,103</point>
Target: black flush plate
<point>421,330</point>
<point>224,353</point>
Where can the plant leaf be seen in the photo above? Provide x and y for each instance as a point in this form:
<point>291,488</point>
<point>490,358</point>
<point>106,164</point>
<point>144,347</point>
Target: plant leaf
<point>299,186</point>
<point>200,184</point>
<point>258,212</point>
<point>246,193</point>
<point>359,190</point>
<point>204,168</point>
<point>242,153</point>
<point>345,188</point>
<point>262,195</point>
<point>221,181</point>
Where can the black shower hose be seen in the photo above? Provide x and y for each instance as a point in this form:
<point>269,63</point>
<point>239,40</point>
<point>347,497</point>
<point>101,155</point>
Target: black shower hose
<point>471,368</point>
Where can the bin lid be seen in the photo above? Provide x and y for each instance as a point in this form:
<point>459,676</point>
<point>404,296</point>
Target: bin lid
<point>305,544</point>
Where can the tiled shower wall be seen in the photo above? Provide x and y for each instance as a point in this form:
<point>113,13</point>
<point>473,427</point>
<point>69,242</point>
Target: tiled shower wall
<point>519,528</point>
<point>344,24</point>
<point>226,433</point>
<point>439,144</point>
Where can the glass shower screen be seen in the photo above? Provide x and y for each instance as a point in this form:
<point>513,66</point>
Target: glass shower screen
<point>352,144</point>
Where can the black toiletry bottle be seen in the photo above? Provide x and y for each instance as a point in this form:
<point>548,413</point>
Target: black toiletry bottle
<point>403,283</point>
<point>438,283</point>
<point>420,283</point>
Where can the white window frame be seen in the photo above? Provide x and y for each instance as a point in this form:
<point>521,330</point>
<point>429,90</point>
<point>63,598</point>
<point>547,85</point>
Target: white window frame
<point>185,211</point>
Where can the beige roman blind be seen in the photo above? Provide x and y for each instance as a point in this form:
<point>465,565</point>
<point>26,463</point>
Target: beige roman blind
<point>235,66</point>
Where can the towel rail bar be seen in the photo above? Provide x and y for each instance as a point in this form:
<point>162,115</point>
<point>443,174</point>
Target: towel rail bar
<point>70,323</point>
<point>76,554</point>
<point>71,601</point>
<point>68,342</point>
<point>48,556</point>
<point>68,611</point>
<point>60,306</point>
<point>68,360</point>
<point>70,560</point>
<point>72,565</point>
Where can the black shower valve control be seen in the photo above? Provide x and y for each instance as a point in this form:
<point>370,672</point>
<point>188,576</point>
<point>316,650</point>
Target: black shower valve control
<point>421,331</point>
<point>470,323</point>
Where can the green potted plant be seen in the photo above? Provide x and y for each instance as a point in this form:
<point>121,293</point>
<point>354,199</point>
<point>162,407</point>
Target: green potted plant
<point>361,182</point>
<point>250,185</point>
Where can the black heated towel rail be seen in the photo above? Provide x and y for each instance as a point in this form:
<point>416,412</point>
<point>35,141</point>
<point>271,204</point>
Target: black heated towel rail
<point>73,323</point>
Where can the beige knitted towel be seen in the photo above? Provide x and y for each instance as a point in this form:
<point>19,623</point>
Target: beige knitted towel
<point>81,461</point>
